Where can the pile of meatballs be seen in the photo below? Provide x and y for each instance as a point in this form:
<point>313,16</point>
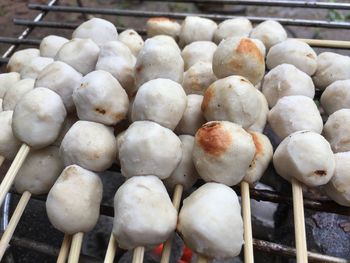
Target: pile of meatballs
<point>190,102</point>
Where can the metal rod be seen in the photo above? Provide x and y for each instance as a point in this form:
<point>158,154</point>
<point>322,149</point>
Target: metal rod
<point>178,15</point>
<point>14,40</point>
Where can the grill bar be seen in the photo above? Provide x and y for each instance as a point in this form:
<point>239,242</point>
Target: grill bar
<point>179,15</point>
<point>26,41</point>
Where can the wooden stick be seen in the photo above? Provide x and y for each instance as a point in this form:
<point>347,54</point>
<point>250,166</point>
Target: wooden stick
<point>6,237</point>
<point>202,259</point>
<point>62,256</point>
<point>247,224</point>
<point>12,172</point>
<point>138,255</point>
<point>299,222</point>
<point>2,159</point>
<point>111,250</point>
<point>167,245</point>
<point>75,248</point>
<point>326,43</point>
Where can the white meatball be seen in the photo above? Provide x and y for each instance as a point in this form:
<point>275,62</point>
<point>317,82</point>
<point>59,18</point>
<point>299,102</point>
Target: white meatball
<point>262,158</point>
<point>193,118</point>
<point>9,144</point>
<point>270,33</point>
<point>260,45</point>
<point>286,80</point>
<point>260,122</point>
<point>16,92</point>
<point>117,59</point>
<point>239,56</point>
<point>119,140</point>
<point>164,39</point>
<point>195,28</point>
<point>39,171</point>
<point>90,145</point>
<point>198,51</point>
<point>38,117</point>
<point>295,52</point>
<point>295,113</point>
<point>185,173</point>
<point>198,78</point>
<point>73,203</point>
<point>156,152</point>
<point>330,68</point>
<point>336,96</point>
<point>98,30</point>
<point>162,26</point>
<point>108,107</point>
<point>34,67</point>
<point>306,156</point>
<point>21,58</point>
<point>236,27</point>
<point>62,79</point>
<point>81,54</point>
<point>1,105</point>
<point>50,45</point>
<point>337,130</point>
<point>143,213</point>
<point>223,152</point>
<point>160,100</point>
<point>7,80</point>
<point>210,222</point>
<point>233,99</point>
<point>132,40</point>
<point>338,187</point>
<point>158,60</point>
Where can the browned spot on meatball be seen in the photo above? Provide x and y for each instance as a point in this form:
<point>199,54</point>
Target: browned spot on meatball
<point>208,94</point>
<point>100,110</point>
<point>160,19</point>
<point>139,68</point>
<point>247,46</point>
<point>244,80</point>
<point>257,142</point>
<point>310,55</point>
<point>214,138</point>
<point>320,172</point>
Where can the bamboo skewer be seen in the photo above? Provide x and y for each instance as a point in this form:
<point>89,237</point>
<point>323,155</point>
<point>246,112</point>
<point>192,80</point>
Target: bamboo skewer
<point>62,256</point>
<point>6,237</point>
<point>326,43</point>
<point>178,190</point>
<point>75,248</point>
<point>299,223</point>
<point>138,255</point>
<point>111,250</point>
<point>247,223</point>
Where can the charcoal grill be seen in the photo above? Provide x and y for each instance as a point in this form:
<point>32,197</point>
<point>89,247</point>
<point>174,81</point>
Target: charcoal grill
<point>39,21</point>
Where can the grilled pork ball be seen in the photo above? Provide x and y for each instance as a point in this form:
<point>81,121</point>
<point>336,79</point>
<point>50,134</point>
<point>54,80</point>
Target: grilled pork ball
<point>81,54</point>
<point>90,145</point>
<point>337,130</point>
<point>193,118</point>
<point>1,105</point>
<point>195,28</point>
<point>338,187</point>
<point>21,58</point>
<point>62,79</point>
<point>132,40</point>
<point>143,213</point>
<point>239,56</point>
<point>9,144</point>
<point>210,222</point>
<point>157,151</point>
<point>35,66</point>
<point>260,122</point>
<point>73,203</point>
<point>7,80</point>
<point>223,152</point>
<point>336,96</point>
<point>50,45</point>
<point>117,59</point>
<point>158,60</point>
<point>185,173</point>
<point>260,45</point>
<point>236,27</point>
<point>286,80</point>
<point>233,99</point>
<point>39,171</point>
<point>100,98</point>
<point>162,26</point>
<point>307,156</point>
<point>163,39</point>
<point>16,91</point>
<point>330,68</point>
<point>269,32</point>
<point>98,30</point>
<point>198,51</point>
<point>38,117</point>
<point>294,113</point>
<point>160,100</point>
<point>295,52</point>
